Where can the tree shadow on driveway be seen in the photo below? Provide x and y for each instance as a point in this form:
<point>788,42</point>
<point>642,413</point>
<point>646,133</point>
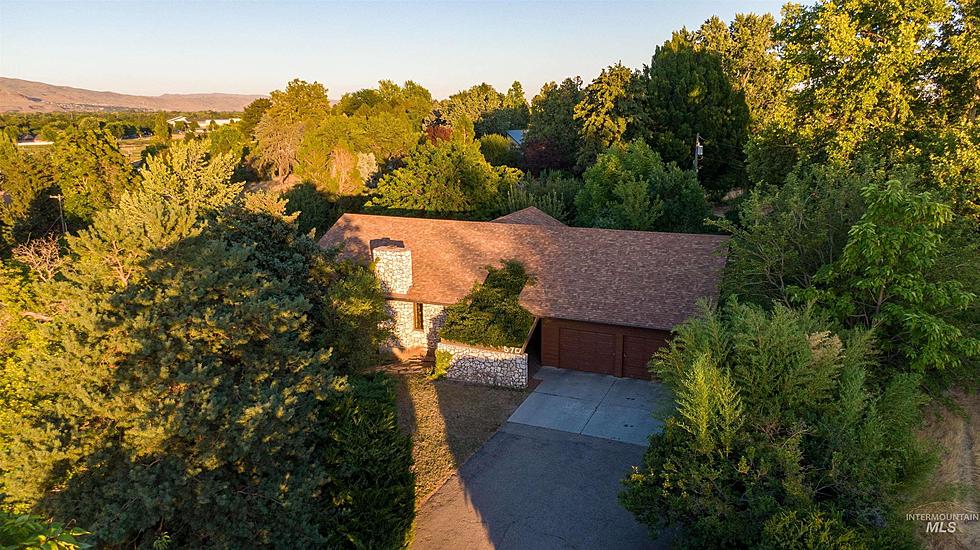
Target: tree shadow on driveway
<point>531,487</point>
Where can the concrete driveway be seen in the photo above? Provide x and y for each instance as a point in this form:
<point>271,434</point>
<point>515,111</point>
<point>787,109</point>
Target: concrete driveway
<point>620,409</point>
<point>550,477</point>
<point>537,489</point>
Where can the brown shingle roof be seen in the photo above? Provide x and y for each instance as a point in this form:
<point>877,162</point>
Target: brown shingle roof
<point>528,216</point>
<point>633,278</point>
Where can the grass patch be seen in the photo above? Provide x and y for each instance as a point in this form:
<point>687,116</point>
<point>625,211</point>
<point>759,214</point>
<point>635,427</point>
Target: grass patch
<point>443,360</point>
<point>955,485</point>
<point>448,421</point>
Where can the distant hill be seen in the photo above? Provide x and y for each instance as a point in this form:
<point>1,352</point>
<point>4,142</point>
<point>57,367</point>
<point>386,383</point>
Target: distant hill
<point>25,96</point>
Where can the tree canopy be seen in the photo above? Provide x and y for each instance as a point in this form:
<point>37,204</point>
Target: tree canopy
<point>444,179</point>
<point>553,132</point>
<point>90,171</point>
<point>684,93</point>
<point>212,350</point>
<point>630,187</point>
<point>603,112</point>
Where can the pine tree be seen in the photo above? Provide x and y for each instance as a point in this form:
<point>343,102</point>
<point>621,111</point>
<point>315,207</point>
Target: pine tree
<point>683,93</point>
<point>192,372</point>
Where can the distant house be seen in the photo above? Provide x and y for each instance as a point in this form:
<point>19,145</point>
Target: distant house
<point>201,124</point>
<point>205,124</point>
<point>516,137</point>
<point>31,139</point>
<point>605,300</point>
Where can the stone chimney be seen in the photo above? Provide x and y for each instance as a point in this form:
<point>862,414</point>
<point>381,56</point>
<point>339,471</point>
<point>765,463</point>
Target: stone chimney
<point>393,265</point>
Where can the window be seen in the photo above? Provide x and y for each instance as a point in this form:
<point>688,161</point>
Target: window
<point>418,316</point>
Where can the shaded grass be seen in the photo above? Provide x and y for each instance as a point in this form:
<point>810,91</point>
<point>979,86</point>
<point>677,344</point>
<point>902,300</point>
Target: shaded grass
<point>953,425</point>
<point>448,421</point>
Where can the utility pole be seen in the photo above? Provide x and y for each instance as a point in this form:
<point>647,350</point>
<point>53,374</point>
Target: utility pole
<point>61,213</point>
<point>698,151</point>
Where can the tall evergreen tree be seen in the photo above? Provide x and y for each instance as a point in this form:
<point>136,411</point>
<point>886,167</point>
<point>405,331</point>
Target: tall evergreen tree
<point>552,137</point>
<point>683,93</point>
<point>212,352</point>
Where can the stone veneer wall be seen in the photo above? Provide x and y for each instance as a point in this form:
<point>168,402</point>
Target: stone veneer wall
<point>504,367</point>
<point>402,325</point>
<point>393,265</point>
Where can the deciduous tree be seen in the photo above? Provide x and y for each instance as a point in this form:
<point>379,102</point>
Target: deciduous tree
<point>629,187</point>
<point>90,171</point>
<point>882,278</point>
<point>444,179</point>
<point>603,112</point>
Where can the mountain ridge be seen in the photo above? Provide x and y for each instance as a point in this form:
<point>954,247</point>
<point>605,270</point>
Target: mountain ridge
<point>28,96</point>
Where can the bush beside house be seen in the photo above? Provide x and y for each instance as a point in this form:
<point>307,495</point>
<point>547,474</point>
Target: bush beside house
<point>491,315</point>
<point>782,437</point>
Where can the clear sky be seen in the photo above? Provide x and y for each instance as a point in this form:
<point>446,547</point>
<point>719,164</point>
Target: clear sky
<point>143,47</point>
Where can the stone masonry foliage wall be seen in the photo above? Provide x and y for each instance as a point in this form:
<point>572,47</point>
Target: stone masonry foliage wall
<point>506,367</point>
<point>402,325</point>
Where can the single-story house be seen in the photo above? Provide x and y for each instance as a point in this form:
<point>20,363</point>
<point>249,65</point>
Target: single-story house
<point>205,124</point>
<point>604,300</point>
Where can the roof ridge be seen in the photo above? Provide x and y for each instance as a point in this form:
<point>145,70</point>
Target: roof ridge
<point>562,227</point>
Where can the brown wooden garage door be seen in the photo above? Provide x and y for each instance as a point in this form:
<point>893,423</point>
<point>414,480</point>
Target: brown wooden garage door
<point>637,351</point>
<point>594,347</point>
<point>587,350</point>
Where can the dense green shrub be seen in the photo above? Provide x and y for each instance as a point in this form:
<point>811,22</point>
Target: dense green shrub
<point>30,532</point>
<point>776,421</point>
<point>630,187</point>
<point>491,315</point>
<point>443,360</point>
<point>811,530</point>
<point>500,150</point>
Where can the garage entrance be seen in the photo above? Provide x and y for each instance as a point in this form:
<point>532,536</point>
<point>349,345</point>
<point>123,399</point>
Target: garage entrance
<point>599,348</point>
<point>587,350</point>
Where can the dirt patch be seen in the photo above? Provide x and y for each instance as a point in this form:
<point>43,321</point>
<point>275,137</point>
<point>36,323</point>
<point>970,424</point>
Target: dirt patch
<point>448,422</point>
<point>955,486</point>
